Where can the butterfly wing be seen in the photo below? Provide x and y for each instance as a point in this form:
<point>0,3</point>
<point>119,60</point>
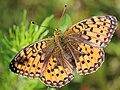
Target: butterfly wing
<point>30,60</point>
<point>87,58</point>
<point>40,60</point>
<point>87,40</point>
<point>59,71</point>
<point>96,31</point>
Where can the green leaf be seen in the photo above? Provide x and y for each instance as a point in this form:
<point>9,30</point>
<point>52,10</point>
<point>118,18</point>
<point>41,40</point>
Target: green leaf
<point>65,22</point>
<point>42,27</point>
<point>113,48</point>
<point>50,88</point>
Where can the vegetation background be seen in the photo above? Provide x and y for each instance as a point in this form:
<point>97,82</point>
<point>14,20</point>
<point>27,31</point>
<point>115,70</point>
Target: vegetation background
<point>17,31</point>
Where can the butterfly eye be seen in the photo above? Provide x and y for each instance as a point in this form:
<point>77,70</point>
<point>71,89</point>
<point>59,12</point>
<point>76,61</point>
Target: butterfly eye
<point>62,39</point>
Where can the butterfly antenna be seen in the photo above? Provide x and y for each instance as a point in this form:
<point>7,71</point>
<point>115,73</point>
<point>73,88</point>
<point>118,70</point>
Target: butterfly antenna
<point>42,25</point>
<point>65,7</point>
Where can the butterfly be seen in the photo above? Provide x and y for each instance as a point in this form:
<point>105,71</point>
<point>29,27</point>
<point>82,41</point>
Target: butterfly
<point>54,59</point>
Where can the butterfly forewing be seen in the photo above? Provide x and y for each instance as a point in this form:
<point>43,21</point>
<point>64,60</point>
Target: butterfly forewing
<point>96,31</point>
<point>30,60</point>
<point>40,60</point>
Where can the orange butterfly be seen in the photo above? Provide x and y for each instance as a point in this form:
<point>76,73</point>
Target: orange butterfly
<point>53,59</point>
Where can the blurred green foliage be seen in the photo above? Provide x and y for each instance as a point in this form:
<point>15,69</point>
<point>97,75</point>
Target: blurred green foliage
<point>17,31</point>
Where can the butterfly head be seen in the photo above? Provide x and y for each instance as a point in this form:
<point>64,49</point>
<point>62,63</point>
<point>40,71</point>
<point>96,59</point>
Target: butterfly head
<point>57,33</point>
<point>58,36</point>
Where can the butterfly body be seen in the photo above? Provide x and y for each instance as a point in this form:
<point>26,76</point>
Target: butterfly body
<point>80,47</point>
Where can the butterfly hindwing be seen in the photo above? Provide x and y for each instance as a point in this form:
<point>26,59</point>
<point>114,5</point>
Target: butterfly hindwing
<point>87,58</point>
<point>58,72</point>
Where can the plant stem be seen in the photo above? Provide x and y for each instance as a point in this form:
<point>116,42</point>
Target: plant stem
<point>51,88</point>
